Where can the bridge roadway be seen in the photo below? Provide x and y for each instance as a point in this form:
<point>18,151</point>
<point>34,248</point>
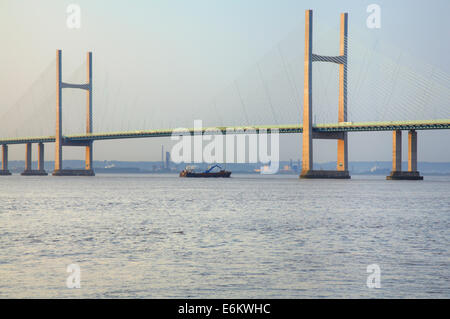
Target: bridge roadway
<point>283,129</point>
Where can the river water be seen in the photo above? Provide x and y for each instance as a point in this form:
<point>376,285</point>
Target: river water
<point>160,236</point>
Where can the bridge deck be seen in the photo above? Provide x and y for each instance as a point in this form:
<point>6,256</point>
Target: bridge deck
<point>335,127</point>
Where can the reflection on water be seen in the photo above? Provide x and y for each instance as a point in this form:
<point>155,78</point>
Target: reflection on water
<point>248,236</point>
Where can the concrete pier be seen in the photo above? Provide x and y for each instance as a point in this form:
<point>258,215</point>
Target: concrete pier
<point>405,175</point>
<point>397,173</point>
<point>41,157</point>
<point>325,174</point>
<point>397,151</point>
<point>4,171</point>
<point>29,171</point>
<point>28,157</point>
<point>412,151</point>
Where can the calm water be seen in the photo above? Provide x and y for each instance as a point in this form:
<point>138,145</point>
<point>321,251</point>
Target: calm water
<point>249,236</point>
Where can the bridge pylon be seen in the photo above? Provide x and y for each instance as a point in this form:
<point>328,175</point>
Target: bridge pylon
<point>60,141</point>
<point>308,132</point>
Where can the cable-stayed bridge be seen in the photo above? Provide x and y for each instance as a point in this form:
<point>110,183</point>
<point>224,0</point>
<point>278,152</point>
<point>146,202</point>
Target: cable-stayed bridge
<point>389,90</point>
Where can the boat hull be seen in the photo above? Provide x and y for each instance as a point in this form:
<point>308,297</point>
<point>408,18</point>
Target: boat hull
<point>206,175</point>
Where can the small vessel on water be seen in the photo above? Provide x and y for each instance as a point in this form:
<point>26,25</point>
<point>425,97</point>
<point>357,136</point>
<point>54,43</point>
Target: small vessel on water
<point>189,172</point>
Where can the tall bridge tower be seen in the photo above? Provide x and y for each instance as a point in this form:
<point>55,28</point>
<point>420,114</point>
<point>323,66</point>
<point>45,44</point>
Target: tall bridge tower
<point>60,141</point>
<point>308,133</point>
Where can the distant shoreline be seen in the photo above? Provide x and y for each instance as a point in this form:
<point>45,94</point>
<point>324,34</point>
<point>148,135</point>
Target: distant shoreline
<point>374,168</point>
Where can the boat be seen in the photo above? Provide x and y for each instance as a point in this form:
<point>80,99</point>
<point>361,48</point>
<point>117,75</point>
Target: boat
<point>190,172</point>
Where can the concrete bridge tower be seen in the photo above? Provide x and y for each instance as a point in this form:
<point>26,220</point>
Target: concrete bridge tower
<point>60,141</point>
<point>308,133</point>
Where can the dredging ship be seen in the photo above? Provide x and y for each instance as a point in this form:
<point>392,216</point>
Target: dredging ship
<point>190,172</point>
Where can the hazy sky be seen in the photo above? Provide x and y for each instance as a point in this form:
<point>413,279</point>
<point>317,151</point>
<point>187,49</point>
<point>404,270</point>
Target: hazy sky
<point>164,63</point>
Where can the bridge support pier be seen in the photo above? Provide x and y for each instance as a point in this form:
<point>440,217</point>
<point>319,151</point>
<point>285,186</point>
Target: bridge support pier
<point>29,171</point>
<point>397,173</point>
<point>41,157</point>
<point>308,171</point>
<point>4,171</point>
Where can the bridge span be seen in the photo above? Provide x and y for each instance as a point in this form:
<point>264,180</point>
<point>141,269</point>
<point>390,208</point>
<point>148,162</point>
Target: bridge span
<point>248,129</point>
